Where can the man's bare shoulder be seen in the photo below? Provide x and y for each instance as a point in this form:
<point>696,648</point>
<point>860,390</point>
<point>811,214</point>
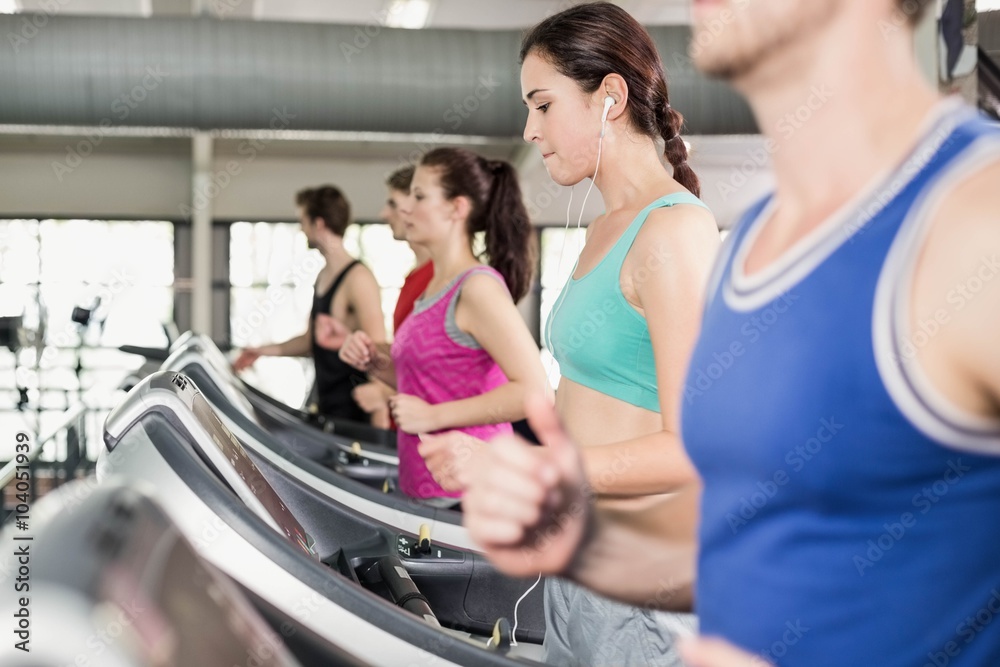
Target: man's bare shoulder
<point>958,272</point>
<point>965,226</point>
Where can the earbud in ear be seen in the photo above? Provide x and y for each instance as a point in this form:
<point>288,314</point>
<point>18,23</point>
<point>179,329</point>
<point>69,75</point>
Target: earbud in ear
<point>608,103</point>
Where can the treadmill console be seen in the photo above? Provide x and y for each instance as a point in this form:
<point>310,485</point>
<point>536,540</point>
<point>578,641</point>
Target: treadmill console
<point>175,396</point>
<point>408,548</point>
<point>202,350</point>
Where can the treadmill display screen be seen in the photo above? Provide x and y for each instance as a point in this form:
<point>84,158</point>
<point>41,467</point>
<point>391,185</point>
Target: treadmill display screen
<point>251,476</point>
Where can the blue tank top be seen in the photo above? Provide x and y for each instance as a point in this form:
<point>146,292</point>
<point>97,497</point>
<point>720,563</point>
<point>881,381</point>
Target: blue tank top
<point>598,338</point>
<point>850,516</point>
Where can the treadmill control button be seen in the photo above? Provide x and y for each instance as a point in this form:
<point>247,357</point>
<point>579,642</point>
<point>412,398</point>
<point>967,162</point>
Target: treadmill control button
<point>424,540</point>
<point>408,547</point>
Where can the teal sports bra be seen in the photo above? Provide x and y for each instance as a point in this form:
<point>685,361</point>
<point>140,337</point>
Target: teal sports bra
<point>598,338</point>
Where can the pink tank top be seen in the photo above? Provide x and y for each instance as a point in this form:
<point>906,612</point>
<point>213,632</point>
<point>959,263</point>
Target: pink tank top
<point>432,366</point>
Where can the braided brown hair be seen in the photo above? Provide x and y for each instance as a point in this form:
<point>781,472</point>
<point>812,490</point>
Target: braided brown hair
<point>589,41</point>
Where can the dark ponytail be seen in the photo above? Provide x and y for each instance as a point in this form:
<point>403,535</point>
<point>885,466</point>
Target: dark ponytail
<point>589,41</point>
<point>508,230</point>
<point>498,210</point>
<point>670,122</point>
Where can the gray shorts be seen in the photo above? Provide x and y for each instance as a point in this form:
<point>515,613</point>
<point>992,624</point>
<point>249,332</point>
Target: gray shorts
<point>583,628</point>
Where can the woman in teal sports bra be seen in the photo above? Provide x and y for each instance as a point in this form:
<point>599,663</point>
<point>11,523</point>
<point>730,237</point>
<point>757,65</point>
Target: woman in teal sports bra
<point>625,323</point>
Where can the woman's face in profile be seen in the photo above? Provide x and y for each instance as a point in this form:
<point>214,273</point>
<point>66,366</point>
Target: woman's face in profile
<point>562,121</point>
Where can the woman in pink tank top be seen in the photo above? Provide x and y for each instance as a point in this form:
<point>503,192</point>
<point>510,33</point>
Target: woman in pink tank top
<point>464,359</point>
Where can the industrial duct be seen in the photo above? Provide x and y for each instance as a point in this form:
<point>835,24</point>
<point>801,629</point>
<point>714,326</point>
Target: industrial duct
<point>206,73</point>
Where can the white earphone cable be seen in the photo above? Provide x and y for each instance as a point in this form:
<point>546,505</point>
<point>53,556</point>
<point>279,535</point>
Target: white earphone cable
<point>513,632</point>
<point>600,146</point>
<point>583,207</point>
<point>609,102</point>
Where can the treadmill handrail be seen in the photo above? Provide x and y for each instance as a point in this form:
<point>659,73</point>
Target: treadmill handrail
<point>271,448</point>
<point>200,349</point>
<point>183,361</point>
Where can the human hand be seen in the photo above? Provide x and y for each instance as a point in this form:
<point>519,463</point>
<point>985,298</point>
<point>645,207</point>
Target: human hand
<point>370,397</point>
<point>330,332</point>
<point>380,418</point>
<point>412,414</point>
<point>246,358</point>
<point>529,507</point>
<point>449,456</point>
<point>358,351</point>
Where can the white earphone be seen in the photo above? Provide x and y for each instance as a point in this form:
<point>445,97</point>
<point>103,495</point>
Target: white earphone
<point>608,103</point>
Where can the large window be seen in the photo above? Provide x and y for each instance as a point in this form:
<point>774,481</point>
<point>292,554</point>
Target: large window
<point>48,267</point>
<point>272,272</point>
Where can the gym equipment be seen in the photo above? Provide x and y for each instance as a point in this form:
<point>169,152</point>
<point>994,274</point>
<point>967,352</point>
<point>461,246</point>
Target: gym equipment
<point>112,581</point>
<point>339,469</point>
<point>313,559</point>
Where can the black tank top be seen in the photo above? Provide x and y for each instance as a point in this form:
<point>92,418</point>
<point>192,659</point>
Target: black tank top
<point>335,380</point>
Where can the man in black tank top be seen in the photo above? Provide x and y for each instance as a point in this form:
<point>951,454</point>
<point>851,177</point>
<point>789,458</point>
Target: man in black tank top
<point>335,380</point>
<point>346,298</point>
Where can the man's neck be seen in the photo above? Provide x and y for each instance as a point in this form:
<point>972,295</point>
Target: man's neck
<point>836,116</point>
<point>335,254</point>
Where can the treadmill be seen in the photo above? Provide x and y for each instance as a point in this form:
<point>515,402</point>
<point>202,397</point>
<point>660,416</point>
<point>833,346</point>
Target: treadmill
<point>114,583</point>
<point>393,597</point>
<point>289,425</point>
<point>328,465</point>
<point>280,414</point>
<point>280,417</point>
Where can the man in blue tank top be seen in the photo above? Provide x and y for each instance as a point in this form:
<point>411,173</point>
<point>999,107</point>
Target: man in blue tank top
<point>843,402</point>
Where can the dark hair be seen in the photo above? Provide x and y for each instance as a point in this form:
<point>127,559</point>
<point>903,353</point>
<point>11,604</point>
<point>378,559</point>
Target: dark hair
<point>589,41</point>
<point>401,179</point>
<point>328,203</point>
<point>497,209</point>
